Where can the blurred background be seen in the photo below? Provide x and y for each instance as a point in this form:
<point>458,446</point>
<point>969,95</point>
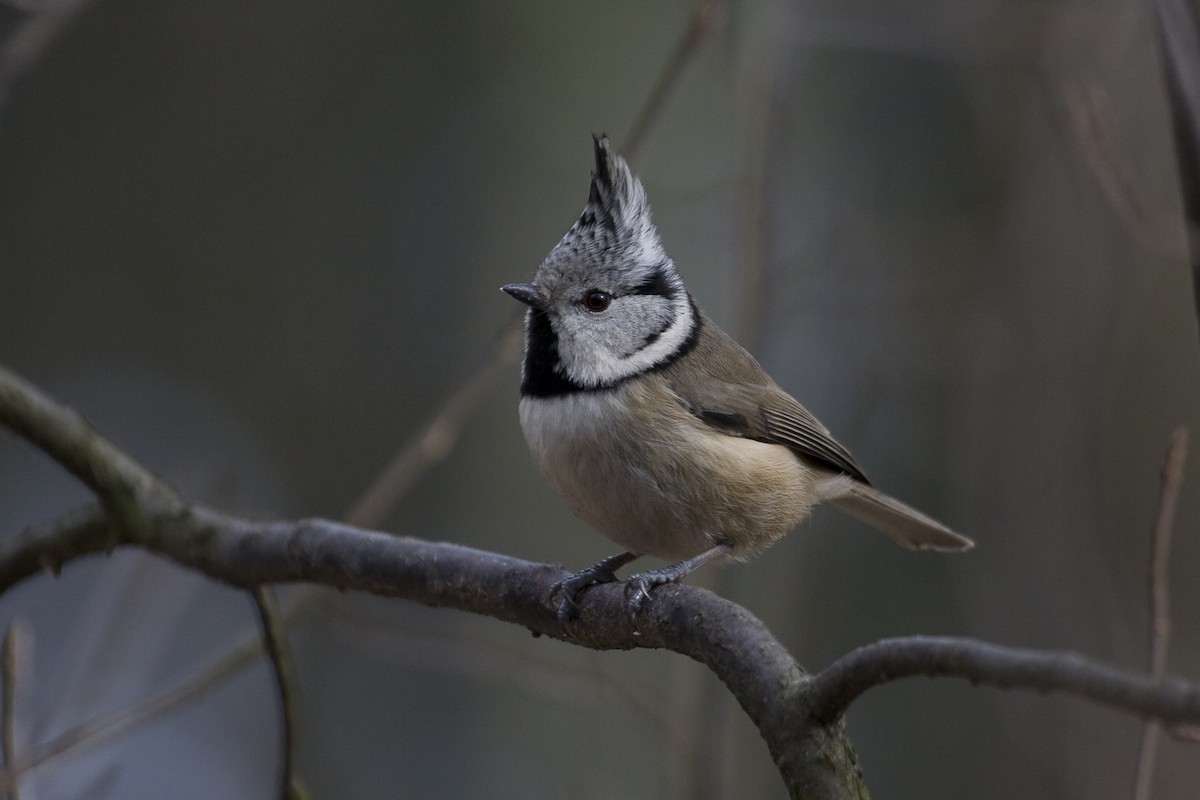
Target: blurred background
<point>259,244</point>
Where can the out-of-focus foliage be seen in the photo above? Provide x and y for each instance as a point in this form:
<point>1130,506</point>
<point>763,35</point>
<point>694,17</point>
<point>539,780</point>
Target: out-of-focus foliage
<point>258,242</point>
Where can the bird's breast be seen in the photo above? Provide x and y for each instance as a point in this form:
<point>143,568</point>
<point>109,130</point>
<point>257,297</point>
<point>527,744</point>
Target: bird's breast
<point>640,468</point>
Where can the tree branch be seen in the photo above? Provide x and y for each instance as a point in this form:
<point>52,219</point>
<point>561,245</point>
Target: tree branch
<point>839,684</point>
<point>46,547</point>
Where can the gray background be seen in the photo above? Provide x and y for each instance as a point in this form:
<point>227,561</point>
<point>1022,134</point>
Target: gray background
<point>257,243</point>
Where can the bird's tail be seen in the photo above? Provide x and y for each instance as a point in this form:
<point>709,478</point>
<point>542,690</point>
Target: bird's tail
<point>907,526</point>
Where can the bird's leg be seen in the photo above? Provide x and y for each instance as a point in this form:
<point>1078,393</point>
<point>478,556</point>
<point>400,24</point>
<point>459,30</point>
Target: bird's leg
<point>570,588</point>
<point>637,587</point>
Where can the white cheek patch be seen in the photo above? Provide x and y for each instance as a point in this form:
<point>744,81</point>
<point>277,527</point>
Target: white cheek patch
<point>596,363</point>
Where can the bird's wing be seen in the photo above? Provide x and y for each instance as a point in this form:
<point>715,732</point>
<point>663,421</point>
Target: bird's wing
<point>722,385</point>
<point>768,414</point>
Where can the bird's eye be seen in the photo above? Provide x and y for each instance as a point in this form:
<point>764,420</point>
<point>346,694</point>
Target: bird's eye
<point>596,300</point>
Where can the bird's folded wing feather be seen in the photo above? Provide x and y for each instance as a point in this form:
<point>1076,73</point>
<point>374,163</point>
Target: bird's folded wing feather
<point>767,414</point>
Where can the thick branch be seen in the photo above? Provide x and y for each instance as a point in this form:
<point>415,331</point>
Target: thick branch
<point>839,684</point>
<point>725,637</point>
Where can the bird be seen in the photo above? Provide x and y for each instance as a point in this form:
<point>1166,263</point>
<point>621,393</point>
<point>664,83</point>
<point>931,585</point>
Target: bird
<point>654,425</point>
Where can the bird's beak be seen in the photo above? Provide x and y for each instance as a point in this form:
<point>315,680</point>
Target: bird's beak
<point>528,293</point>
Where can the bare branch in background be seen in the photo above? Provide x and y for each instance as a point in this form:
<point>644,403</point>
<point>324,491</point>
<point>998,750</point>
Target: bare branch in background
<point>106,728</point>
<point>274,636</point>
<point>1092,118</point>
<point>1160,599</point>
<point>1185,733</point>
<point>33,37</point>
<point>707,19</point>
<point>440,434</point>
<point>18,672</point>
<point>1179,35</point>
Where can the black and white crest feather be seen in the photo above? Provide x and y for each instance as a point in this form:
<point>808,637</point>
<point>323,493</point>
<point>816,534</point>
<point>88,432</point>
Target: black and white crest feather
<point>616,198</point>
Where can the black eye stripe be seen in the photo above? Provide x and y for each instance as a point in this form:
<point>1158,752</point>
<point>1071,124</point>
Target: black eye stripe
<point>656,283</point>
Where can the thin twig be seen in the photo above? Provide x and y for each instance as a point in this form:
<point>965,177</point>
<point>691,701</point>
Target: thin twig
<point>1160,605</point>
<point>715,767</point>
<point>1185,733</point>
<point>1092,119</point>
<point>98,731</point>
<point>499,659</point>
<point>438,437</point>
<point>1179,47</point>
<point>705,20</point>
<point>275,640</point>
<point>9,692</point>
<point>29,42</point>
<point>752,256</point>
<point>17,673</point>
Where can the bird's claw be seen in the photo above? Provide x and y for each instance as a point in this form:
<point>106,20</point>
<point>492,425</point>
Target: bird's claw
<point>604,571</point>
<point>569,589</point>
<point>637,587</point>
<point>637,592</point>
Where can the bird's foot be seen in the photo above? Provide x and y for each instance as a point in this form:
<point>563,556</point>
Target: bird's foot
<point>637,587</point>
<point>569,589</point>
